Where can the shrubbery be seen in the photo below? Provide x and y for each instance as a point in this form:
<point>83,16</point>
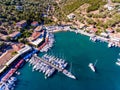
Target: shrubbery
<point>74,4</point>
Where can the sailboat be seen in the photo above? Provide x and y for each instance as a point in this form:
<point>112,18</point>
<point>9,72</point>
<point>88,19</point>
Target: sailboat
<point>118,62</point>
<point>69,74</point>
<point>92,66</point>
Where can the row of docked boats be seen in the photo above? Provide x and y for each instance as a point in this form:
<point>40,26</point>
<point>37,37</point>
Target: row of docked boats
<point>42,67</point>
<point>48,64</point>
<point>93,38</point>
<point>112,44</point>
<point>118,61</point>
<point>60,63</point>
<point>9,84</point>
<point>8,81</point>
<point>49,43</point>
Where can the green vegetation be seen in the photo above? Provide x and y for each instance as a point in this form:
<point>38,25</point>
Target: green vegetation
<point>115,20</point>
<point>13,11</point>
<point>118,29</point>
<point>1,44</point>
<point>116,1</point>
<point>94,5</point>
<point>98,32</point>
<point>90,21</point>
<point>14,53</point>
<point>71,5</point>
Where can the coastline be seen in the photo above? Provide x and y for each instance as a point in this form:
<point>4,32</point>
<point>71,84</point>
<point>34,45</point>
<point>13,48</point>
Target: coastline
<point>80,67</point>
<point>111,39</point>
<point>78,31</point>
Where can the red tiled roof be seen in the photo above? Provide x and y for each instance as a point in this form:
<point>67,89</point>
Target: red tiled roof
<point>5,57</point>
<point>109,30</point>
<point>17,47</point>
<point>35,35</point>
<point>94,29</point>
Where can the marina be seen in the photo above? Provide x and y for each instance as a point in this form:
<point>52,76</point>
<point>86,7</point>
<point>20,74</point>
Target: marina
<point>80,54</point>
<point>48,43</point>
<point>31,47</point>
<point>48,64</point>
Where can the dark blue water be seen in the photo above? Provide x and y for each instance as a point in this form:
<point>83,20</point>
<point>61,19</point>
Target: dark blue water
<point>80,51</point>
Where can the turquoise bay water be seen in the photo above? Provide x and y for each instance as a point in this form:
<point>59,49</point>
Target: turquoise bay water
<point>80,51</point>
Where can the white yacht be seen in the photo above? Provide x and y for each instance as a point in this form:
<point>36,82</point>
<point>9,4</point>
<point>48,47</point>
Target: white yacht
<point>92,67</point>
<point>118,62</point>
<point>109,45</point>
<point>69,74</point>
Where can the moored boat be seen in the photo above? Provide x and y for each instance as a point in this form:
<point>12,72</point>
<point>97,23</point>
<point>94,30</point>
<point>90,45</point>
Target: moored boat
<point>92,67</point>
<point>118,62</point>
<point>69,74</point>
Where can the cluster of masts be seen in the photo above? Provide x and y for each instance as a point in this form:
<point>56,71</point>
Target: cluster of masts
<point>60,63</point>
<point>42,67</point>
<point>48,64</point>
<point>50,43</point>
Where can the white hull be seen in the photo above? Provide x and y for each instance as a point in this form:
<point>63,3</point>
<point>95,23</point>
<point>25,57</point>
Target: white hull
<point>92,67</point>
<point>118,63</point>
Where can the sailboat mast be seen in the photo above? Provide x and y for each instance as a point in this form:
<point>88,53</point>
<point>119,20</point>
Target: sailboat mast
<point>71,67</point>
<point>95,63</point>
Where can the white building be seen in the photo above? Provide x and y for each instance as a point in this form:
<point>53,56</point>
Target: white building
<point>71,16</point>
<point>104,34</point>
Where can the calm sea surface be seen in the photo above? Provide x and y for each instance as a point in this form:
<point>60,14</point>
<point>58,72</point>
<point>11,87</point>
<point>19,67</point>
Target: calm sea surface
<point>78,50</point>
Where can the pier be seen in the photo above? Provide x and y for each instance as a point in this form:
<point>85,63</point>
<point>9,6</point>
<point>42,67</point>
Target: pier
<point>48,64</point>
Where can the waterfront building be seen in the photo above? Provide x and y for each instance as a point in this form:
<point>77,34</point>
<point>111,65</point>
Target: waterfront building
<point>103,34</point>
<point>12,54</point>
<point>4,58</point>
<point>93,30</point>
<point>18,46</point>
<point>82,26</point>
<point>37,42</point>
<point>36,38</point>
<point>115,37</point>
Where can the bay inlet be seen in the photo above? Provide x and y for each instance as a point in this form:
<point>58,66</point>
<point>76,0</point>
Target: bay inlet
<point>80,51</point>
